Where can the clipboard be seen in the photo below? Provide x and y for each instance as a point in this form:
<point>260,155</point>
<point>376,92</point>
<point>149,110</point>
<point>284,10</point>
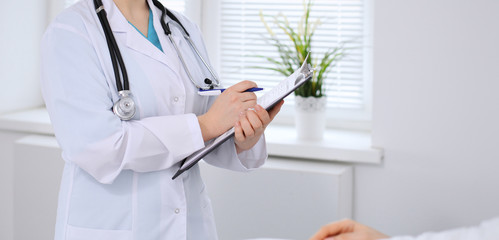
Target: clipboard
<point>267,101</point>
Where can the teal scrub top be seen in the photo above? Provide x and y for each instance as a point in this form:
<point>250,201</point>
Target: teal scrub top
<point>152,36</point>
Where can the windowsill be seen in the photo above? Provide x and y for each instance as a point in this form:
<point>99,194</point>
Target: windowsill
<point>28,121</point>
<point>337,145</point>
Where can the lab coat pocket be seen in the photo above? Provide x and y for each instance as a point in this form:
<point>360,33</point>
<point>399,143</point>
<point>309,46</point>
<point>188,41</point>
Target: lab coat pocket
<point>101,206</point>
<point>77,233</point>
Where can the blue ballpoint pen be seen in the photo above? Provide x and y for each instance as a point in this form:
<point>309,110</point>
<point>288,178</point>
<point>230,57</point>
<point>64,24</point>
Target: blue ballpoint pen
<point>218,91</point>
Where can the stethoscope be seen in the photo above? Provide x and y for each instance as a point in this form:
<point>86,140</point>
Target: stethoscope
<point>125,107</point>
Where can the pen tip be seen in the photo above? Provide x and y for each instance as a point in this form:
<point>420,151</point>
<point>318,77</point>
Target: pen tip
<point>176,174</point>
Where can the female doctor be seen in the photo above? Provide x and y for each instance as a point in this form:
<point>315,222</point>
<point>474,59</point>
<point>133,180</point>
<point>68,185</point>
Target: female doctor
<point>126,113</point>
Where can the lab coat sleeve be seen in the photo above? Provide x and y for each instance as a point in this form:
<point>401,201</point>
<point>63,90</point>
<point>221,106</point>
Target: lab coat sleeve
<point>79,102</point>
<point>487,230</point>
<point>226,156</point>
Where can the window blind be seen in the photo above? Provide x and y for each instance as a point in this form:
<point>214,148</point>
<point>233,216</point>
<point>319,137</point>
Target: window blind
<point>243,38</point>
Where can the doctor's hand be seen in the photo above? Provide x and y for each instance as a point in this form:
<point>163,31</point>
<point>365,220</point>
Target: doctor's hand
<point>347,230</point>
<point>251,126</point>
<point>227,109</point>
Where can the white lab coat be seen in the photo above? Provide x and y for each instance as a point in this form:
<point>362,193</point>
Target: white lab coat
<point>487,230</point>
<point>117,177</point>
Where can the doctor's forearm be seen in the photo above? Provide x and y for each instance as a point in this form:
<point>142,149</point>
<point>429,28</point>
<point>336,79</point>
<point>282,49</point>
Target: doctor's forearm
<point>209,131</point>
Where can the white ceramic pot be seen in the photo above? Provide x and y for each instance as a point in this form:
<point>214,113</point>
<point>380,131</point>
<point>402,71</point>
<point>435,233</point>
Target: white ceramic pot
<point>310,116</point>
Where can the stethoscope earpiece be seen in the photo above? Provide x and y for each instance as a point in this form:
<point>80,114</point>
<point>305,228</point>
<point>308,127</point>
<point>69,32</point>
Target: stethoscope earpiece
<point>124,108</point>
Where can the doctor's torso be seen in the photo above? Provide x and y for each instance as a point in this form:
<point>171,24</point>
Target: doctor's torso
<point>157,79</point>
<point>143,203</point>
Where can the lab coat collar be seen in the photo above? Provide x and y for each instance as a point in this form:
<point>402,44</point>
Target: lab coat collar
<point>115,17</point>
<point>134,40</point>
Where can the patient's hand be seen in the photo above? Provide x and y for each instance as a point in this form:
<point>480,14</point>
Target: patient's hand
<point>347,229</point>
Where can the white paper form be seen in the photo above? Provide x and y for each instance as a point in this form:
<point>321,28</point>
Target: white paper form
<point>267,101</point>
<point>285,87</point>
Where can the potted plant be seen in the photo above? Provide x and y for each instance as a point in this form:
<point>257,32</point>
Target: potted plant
<point>310,99</point>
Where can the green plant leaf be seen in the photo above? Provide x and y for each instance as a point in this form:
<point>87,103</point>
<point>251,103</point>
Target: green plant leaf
<point>291,56</point>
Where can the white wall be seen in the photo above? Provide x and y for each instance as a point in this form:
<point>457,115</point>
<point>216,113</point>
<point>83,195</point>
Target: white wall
<point>277,201</point>
<point>22,28</point>
<point>35,191</point>
<point>436,114</point>
<point>7,140</point>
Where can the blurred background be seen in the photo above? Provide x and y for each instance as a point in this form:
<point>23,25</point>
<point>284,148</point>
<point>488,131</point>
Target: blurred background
<point>412,139</point>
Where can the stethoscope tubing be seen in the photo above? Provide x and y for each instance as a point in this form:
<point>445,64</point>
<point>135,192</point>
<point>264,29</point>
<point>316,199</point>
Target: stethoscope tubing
<point>182,60</point>
<point>124,108</point>
<point>168,32</point>
<point>114,51</point>
<point>193,46</point>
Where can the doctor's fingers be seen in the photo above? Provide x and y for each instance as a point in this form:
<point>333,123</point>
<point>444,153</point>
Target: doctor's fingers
<point>257,119</point>
<point>242,86</point>
<point>246,126</point>
<point>235,97</point>
<point>262,115</point>
<point>238,132</point>
<point>247,96</point>
<point>244,106</point>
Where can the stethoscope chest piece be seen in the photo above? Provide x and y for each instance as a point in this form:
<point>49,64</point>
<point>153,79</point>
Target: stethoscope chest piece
<point>124,108</point>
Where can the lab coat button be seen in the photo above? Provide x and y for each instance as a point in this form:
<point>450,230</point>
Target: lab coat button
<point>177,211</point>
<point>175,99</point>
